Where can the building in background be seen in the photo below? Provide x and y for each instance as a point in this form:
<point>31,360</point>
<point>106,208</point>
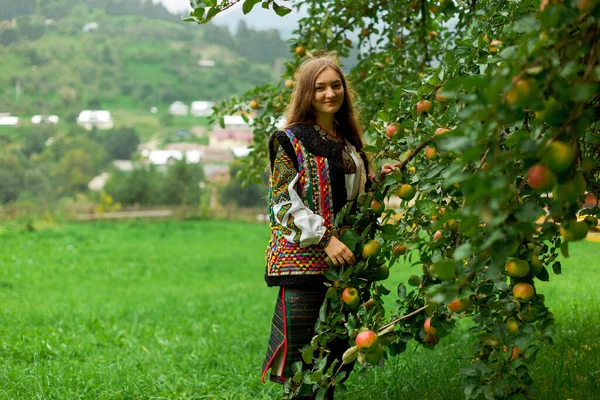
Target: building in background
<point>201,108</point>
<point>179,108</point>
<point>99,119</point>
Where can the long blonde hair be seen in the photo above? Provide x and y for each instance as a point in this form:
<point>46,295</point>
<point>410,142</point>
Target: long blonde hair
<point>301,111</point>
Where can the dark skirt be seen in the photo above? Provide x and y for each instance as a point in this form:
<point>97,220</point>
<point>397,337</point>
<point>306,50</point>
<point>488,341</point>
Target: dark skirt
<point>293,327</point>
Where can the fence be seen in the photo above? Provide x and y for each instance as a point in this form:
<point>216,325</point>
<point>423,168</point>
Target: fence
<point>91,213</point>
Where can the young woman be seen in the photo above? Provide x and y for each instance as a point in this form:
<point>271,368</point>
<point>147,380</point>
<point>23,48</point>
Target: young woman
<point>317,166</point>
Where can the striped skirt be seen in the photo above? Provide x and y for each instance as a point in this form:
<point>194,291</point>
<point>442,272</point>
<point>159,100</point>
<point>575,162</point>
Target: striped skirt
<point>292,328</point>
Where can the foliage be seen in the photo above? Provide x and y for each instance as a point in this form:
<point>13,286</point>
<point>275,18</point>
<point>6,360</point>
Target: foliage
<point>120,144</point>
<point>127,61</point>
<point>147,185</point>
<point>515,85</point>
<point>240,193</point>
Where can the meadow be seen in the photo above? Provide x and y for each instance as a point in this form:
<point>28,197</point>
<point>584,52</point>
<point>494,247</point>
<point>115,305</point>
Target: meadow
<point>180,310</point>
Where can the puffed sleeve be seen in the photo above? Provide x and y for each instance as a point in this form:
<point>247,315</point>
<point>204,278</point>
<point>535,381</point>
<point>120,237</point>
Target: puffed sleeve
<point>298,223</point>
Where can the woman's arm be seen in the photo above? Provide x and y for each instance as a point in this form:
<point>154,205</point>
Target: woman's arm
<point>298,223</point>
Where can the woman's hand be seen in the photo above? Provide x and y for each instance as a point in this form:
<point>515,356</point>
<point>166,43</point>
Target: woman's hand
<point>339,253</point>
<point>386,169</point>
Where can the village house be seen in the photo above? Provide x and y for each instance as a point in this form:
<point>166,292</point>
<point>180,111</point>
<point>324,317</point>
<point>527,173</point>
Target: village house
<point>90,26</point>
<point>167,157</point>
<point>201,108</point>
<point>99,119</point>
<point>7,120</point>
<point>45,119</point>
<point>178,108</point>
<point>206,63</point>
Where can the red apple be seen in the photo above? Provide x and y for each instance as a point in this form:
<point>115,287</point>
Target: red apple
<point>351,297</point>
<point>424,106</point>
<point>541,177</point>
<point>366,340</point>
<point>392,129</point>
<point>431,153</point>
<point>428,328</point>
<point>459,305</point>
<point>439,96</point>
<point>431,339</point>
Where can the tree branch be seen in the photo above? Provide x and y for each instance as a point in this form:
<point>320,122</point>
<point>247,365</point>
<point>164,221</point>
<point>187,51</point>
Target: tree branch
<point>394,322</point>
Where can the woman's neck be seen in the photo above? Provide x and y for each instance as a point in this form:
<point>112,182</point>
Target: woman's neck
<point>326,121</point>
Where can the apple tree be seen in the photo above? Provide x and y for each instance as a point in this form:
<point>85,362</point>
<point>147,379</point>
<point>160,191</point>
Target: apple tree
<point>490,111</point>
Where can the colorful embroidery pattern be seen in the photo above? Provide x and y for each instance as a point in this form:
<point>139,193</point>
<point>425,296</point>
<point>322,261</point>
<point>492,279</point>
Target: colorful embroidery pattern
<point>282,174</point>
<point>288,258</point>
<point>349,164</point>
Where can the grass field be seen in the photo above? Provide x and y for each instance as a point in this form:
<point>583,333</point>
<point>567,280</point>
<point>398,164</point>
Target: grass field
<point>180,310</point>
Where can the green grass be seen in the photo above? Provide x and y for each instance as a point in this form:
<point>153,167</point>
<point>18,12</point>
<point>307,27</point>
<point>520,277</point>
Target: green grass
<point>180,310</point>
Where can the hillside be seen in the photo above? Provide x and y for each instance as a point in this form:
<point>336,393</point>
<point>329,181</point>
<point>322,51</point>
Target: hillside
<point>59,58</point>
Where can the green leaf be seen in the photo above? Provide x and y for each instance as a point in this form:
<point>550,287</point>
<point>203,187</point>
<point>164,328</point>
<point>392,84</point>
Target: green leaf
<point>543,275</point>
<point>583,92</point>
<point>526,24</point>
<point>426,206</point>
<point>321,394</point>
<point>351,322</point>
<point>556,268</point>
<point>370,149</point>
<point>350,355</point>
<point>316,376</point>
<point>211,13</point>
<point>323,312</point>
<point>307,354</point>
<point>389,232</point>
<point>529,211</point>
<point>463,251</point>
<point>198,12</point>
<point>331,275</point>
<point>454,143</point>
<point>248,5</point>
<point>350,238</point>
<point>281,10</point>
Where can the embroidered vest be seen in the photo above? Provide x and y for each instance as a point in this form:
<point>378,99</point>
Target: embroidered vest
<point>285,258</point>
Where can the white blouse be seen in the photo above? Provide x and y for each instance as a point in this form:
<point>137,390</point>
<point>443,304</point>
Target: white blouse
<point>301,225</point>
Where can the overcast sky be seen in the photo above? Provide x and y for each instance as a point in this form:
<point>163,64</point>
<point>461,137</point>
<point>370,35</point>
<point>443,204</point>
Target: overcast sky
<point>259,18</point>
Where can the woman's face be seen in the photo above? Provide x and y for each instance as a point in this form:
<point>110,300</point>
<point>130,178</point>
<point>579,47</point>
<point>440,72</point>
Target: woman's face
<point>329,92</point>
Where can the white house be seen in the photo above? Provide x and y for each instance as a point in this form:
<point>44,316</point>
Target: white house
<point>165,157</point>
<point>101,119</point>
<point>201,108</point>
<point>240,151</point>
<point>236,121</point>
<point>178,108</point>
<point>98,182</point>
<point>7,120</point>
<point>90,26</point>
<point>46,119</point>
<point>206,63</point>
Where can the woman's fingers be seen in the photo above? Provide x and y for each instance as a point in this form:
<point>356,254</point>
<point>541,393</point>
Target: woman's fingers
<point>339,253</point>
<point>346,257</point>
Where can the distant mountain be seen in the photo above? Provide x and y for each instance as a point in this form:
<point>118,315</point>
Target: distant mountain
<point>59,56</point>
